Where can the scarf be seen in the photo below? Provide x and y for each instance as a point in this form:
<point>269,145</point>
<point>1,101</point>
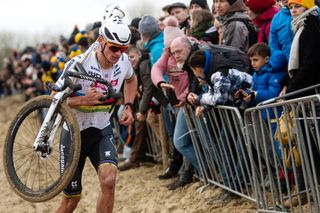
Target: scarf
<point>297,28</point>
<point>200,31</point>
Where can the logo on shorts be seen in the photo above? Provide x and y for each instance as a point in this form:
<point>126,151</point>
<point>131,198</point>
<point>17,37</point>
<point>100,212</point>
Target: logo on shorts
<point>74,184</point>
<point>107,153</point>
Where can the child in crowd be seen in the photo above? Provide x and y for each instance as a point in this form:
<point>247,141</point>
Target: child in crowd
<point>268,80</point>
<point>268,76</point>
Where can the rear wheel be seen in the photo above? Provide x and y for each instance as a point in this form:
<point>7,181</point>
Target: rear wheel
<point>40,175</point>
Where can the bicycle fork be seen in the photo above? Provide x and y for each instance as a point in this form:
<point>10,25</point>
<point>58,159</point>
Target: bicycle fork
<point>41,144</point>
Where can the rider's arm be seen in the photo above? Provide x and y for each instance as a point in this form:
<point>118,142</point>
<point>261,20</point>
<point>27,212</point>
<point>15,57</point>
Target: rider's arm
<point>89,99</point>
<point>130,89</point>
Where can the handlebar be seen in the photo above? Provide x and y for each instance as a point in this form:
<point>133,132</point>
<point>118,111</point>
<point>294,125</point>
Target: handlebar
<point>81,73</point>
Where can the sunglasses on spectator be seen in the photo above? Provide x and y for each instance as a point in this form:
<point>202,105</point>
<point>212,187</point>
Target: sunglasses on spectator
<point>116,48</point>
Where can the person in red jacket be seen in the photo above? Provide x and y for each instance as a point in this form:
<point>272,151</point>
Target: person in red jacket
<point>261,13</point>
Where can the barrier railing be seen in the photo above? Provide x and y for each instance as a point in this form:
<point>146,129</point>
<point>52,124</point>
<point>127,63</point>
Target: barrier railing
<point>153,144</point>
<point>284,154</point>
<point>219,140</point>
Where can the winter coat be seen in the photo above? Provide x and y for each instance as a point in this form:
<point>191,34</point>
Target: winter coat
<point>268,81</point>
<point>309,58</point>
<point>155,47</point>
<point>281,34</point>
<point>223,81</point>
<point>263,22</point>
<point>235,33</point>
<point>178,78</point>
<point>148,89</point>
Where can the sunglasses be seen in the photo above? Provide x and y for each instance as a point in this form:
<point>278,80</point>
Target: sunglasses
<point>116,48</point>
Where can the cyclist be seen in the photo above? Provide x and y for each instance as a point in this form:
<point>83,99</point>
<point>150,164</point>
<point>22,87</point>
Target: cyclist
<point>109,62</point>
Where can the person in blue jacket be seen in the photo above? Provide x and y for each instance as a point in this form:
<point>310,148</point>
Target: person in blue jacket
<point>268,80</point>
<point>281,34</point>
<point>152,36</point>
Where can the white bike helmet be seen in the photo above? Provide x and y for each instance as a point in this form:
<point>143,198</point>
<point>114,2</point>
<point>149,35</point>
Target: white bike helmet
<point>115,31</point>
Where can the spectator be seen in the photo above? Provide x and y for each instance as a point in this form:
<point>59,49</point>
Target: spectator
<point>268,80</point>
<point>198,5</point>
<point>220,82</point>
<point>152,36</point>
<point>304,57</point>
<point>178,84</point>
<point>135,22</point>
<point>231,15</point>
<point>261,13</point>
<point>202,28</point>
<point>281,34</point>
<point>303,71</point>
<point>180,11</point>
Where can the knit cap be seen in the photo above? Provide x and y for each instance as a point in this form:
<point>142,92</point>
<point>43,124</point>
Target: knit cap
<point>201,3</point>
<point>305,3</point>
<point>259,6</point>
<point>176,5</point>
<point>148,26</point>
<point>171,31</point>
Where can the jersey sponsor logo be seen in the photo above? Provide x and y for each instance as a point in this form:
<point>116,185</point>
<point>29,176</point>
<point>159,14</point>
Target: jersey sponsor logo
<point>107,153</point>
<point>97,75</point>
<point>114,82</point>
<point>62,158</point>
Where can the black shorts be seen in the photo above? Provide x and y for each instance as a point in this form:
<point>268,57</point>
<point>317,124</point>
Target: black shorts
<point>98,145</point>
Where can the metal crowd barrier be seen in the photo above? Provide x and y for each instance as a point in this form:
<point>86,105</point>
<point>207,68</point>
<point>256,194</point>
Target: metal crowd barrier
<point>219,140</point>
<point>153,144</point>
<point>285,171</point>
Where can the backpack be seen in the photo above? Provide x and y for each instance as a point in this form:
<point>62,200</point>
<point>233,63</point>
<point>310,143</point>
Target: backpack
<point>253,31</point>
<point>238,59</point>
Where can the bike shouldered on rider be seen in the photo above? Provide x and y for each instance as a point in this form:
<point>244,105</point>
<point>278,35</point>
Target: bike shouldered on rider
<point>93,116</point>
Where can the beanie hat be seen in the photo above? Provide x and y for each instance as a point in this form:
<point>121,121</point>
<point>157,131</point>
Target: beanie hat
<point>148,26</point>
<point>305,3</point>
<point>79,36</point>
<point>202,3</point>
<point>259,6</point>
<point>171,31</point>
<point>231,2</point>
<point>176,5</point>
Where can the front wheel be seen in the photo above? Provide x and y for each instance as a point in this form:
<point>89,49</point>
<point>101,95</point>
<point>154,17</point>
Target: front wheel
<point>39,176</point>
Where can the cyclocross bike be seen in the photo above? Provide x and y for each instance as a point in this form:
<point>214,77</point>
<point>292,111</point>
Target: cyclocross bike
<point>34,160</point>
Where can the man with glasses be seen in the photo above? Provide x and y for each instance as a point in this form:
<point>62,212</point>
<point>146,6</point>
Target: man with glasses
<point>109,62</point>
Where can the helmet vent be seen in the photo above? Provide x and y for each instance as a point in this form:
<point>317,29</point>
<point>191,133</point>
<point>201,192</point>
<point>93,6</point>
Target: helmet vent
<point>108,34</point>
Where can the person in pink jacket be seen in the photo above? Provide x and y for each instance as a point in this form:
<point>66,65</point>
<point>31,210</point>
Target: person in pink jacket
<point>168,75</point>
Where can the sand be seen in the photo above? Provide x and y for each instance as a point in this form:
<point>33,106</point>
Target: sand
<point>137,190</point>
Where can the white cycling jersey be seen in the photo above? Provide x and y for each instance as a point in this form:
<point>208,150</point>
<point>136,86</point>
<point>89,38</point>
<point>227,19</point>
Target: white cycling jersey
<point>98,116</point>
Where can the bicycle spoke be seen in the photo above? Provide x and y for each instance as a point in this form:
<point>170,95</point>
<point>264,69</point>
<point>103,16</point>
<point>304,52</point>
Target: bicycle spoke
<point>47,172</point>
<point>27,173</point>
